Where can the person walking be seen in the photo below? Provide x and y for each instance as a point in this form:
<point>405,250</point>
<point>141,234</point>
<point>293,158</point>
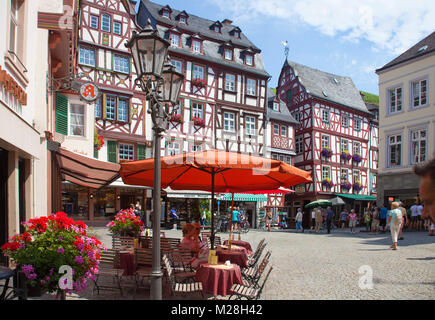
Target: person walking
<point>419,217</point>
<point>414,216</point>
<point>329,218</point>
<point>404,218</point>
<point>343,218</point>
<point>352,221</point>
<point>268,219</point>
<point>395,221</point>
<point>375,220</point>
<point>299,217</point>
<point>235,219</point>
<point>367,219</point>
<point>383,218</point>
<point>174,218</point>
<point>203,218</point>
<point>319,219</point>
<point>313,219</point>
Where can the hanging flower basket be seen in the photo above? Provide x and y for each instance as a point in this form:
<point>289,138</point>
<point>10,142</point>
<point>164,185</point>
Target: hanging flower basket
<point>357,186</point>
<point>327,183</point>
<point>356,158</point>
<point>198,122</point>
<point>126,223</point>
<point>199,83</point>
<point>98,141</point>
<point>326,152</point>
<point>346,185</point>
<point>177,118</point>
<point>345,156</point>
<point>50,243</point>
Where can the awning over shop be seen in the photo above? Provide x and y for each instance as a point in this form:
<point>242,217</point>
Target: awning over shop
<point>86,171</point>
<point>244,197</point>
<point>356,196</point>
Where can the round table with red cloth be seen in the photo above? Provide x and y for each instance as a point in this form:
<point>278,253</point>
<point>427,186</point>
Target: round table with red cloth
<point>126,262</point>
<point>233,248</point>
<point>218,279</point>
<point>241,243</point>
<point>237,257</point>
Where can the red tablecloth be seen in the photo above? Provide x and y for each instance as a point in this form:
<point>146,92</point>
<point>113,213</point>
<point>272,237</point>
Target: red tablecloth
<point>238,257</point>
<point>241,243</point>
<point>126,262</point>
<point>233,248</point>
<point>218,279</point>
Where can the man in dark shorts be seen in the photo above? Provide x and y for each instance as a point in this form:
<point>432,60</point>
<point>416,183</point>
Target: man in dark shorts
<point>383,218</point>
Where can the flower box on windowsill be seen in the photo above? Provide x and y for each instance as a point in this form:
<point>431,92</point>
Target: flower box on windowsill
<point>199,83</point>
<point>176,118</point>
<point>198,122</point>
<point>326,152</point>
<point>327,183</point>
<point>346,156</point>
<point>357,187</point>
<point>356,158</point>
<point>346,186</point>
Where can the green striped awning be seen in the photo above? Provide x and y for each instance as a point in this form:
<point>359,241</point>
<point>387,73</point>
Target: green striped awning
<point>244,197</point>
<point>356,196</point>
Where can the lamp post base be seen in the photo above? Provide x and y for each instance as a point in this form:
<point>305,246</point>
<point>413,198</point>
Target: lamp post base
<point>156,286</point>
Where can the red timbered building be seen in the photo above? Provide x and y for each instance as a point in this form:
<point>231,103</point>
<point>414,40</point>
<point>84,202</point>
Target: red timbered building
<point>332,139</point>
<point>222,104</point>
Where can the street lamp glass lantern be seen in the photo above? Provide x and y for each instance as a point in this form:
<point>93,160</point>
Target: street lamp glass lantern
<point>149,52</point>
<point>173,81</point>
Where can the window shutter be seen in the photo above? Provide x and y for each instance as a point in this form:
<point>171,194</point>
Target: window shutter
<point>61,114</point>
<point>111,151</point>
<point>95,153</point>
<point>141,155</point>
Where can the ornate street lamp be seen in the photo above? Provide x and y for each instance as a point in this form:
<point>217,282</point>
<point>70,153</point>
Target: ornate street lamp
<point>162,84</point>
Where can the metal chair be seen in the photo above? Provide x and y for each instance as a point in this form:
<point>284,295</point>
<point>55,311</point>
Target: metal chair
<point>108,267</point>
<point>251,292</point>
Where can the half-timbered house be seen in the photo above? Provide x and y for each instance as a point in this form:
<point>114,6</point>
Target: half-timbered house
<point>332,140</point>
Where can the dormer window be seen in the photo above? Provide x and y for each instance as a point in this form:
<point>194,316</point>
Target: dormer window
<point>217,29</point>
<point>276,106</point>
<point>183,19</point>
<point>249,60</point>
<point>175,40</point>
<point>165,14</point>
<point>228,54</point>
<point>196,46</point>
<point>236,34</point>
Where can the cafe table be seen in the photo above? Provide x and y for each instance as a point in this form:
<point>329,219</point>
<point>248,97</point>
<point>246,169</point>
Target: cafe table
<point>219,278</point>
<point>237,257</point>
<point>233,247</point>
<point>241,243</point>
<point>126,262</point>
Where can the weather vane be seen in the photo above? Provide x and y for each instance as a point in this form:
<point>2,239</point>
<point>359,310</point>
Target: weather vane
<point>286,48</point>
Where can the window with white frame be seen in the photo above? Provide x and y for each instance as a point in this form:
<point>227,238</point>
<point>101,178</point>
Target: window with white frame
<point>98,109</point>
<point>13,26</point>
<point>182,19</point>
<point>344,121</point>
<point>251,86</point>
<point>395,150</point>
<point>197,147</point>
<point>288,160</point>
<point>344,144</point>
<point>276,106</point>
<point>217,29</point>
<point>196,46</point>
<point>198,72</point>
<point>77,120</point>
<point>325,141</point>
<point>419,93</point>
<point>178,65</point>
<point>230,82</point>
<point>395,100</point>
<point>110,107</point>
<point>298,116</point>
<point>249,60</point>
<point>176,109</point>
<point>299,144</point>
<point>276,129</point>
<point>174,148</point>
<point>123,110</point>
<point>250,125</point>
<point>229,121</point>
<point>175,40</point>
<point>117,28</point>
<point>326,172</point>
<point>418,145</point>
<point>356,147</point>
<point>165,14</point>
<point>198,110</point>
<point>344,175</point>
<point>121,63</point>
<point>284,131</point>
<point>94,22</point>
<point>236,34</point>
<point>125,152</point>
<point>357,124</point>
<point>356,176</point>
<point>274,156</point>
<point>105,22</point>
<point>87,56</point>
<point>325,115</point>
<point>228,54</point>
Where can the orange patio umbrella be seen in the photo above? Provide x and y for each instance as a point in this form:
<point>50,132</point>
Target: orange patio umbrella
<point>215,171</point>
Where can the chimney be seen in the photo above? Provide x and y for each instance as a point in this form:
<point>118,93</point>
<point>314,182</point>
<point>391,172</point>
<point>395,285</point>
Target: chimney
<point>227,21</point>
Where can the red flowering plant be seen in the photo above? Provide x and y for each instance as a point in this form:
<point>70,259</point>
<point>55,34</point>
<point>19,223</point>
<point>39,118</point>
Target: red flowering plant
<point>98,140</point>
<point>126,223</point>
<point>48,245</point>
<point>198,121</point>
<point>199,83</point>
<point>177,118</point>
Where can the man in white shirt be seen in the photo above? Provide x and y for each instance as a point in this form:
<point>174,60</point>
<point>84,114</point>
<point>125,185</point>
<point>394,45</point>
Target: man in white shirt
<point>313,219</point>
<point>414,216</point>
<point>420,220</point>
<point>299,217</point>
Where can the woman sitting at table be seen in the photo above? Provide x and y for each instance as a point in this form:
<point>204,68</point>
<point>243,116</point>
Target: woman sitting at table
<point>191,241</point>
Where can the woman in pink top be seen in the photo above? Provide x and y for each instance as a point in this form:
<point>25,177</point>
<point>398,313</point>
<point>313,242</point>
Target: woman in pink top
<point>352,221</point>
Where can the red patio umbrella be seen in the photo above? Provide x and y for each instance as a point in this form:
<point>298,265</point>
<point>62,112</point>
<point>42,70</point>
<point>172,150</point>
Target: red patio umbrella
<point>215,171</point>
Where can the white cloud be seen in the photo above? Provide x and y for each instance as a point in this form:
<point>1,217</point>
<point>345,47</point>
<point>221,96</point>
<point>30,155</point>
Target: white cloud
<point>392,25</point>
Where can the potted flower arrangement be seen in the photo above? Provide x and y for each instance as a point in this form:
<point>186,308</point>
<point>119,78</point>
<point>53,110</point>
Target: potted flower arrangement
<point>126,223</point>
<point>199,83</point>
<point>356,158</point>
<point>357,186</point>
<point>98,141</point>
<point>327,183</point>
<point>345,155</point>
<point>198,121</point>
<point>326,152</point>
<point>50,244</point>
<point>346,185</point>
<point>177,118</point>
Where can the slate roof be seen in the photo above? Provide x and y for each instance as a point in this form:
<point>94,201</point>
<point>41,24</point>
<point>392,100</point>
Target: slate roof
<point>413,52</point>
<point>201,26</point>
<point>283,114</point>
<point>328,86</point>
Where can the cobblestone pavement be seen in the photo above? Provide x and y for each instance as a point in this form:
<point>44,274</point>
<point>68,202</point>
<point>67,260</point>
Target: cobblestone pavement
<point>326,266</point>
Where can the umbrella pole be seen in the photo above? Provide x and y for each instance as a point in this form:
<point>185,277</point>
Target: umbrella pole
<point>212,210</point>
<point>231,219</point>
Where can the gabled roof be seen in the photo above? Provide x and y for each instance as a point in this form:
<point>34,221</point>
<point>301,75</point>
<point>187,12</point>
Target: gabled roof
<point>328,86</point>
<point>423,47</point>
<point>283,114</point>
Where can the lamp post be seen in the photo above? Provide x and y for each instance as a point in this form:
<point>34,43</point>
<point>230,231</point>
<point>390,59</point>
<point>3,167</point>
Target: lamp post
<point>161,84</point>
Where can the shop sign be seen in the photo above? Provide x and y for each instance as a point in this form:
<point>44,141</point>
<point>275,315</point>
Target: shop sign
<point>89,92</point>
<point>13,87</point>
<point>300,189</point>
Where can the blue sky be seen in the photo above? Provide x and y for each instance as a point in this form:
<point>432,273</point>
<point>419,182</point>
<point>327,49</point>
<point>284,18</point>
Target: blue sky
<point>344,37</point>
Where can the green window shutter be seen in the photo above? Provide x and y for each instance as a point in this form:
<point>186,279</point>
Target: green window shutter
<point>95,153</point>
<point>289,96</point>
<point>61,116</point>
<point>111,151</point>
<point>141,152</point>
